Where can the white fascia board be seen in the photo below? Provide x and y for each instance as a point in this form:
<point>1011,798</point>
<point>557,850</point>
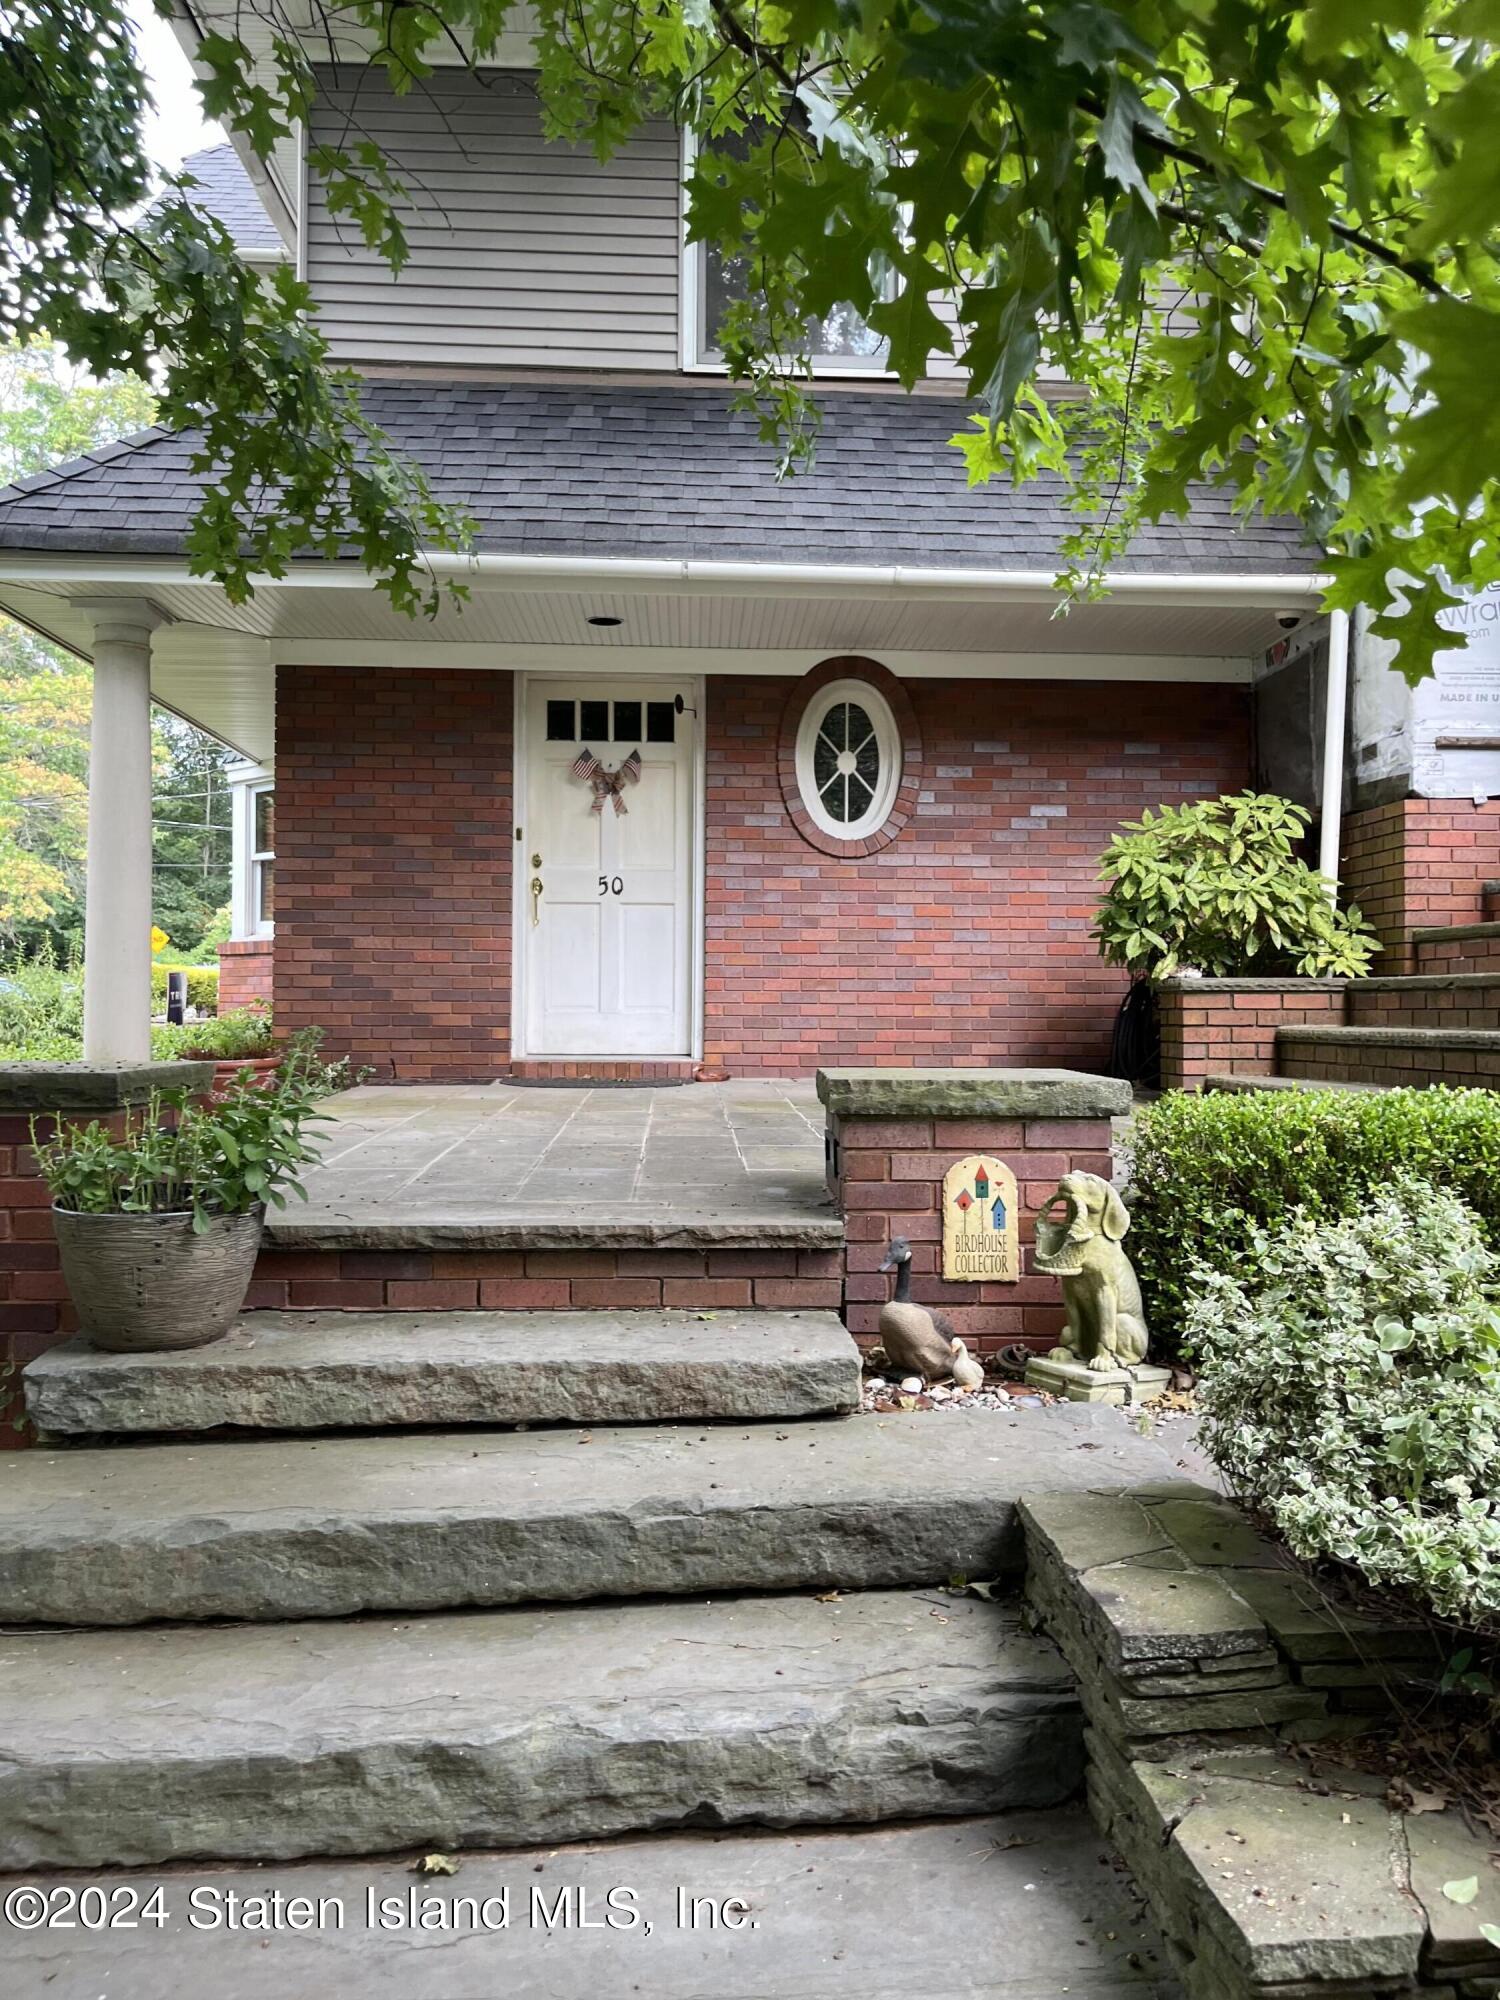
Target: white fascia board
<point>1227,589</point>
<point>603,661</point>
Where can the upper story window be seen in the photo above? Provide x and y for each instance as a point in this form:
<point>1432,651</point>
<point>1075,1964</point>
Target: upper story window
<point>712,283</point>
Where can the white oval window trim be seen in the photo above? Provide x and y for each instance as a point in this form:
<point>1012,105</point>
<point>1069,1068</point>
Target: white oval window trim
<point>825,750</point>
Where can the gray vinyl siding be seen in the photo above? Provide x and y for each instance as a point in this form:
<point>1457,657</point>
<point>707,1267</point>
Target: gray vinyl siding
<point>523,253</point>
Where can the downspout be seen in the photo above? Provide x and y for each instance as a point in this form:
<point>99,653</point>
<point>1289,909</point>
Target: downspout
<point>1335,712</point>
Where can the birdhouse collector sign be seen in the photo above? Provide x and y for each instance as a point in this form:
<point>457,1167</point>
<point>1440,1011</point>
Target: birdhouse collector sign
<point>981,1222</point>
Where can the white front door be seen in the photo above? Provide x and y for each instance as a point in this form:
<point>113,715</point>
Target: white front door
<point>606,896</point>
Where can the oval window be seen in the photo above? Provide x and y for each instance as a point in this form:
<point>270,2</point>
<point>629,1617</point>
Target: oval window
<point>848,759</point>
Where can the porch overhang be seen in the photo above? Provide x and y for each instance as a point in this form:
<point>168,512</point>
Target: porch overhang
<point>215,661</point>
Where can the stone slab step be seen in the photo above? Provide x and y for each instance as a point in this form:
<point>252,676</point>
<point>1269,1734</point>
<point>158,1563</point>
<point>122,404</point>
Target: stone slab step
<point>298,1528</point>
<point>413,1224</point>
<point>1012,1908</point>
<point>507,1728</point>
<point>1432,1040</point>
<point>331,1370</point>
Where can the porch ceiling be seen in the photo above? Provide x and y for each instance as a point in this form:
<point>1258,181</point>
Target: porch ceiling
<point>215,663</point>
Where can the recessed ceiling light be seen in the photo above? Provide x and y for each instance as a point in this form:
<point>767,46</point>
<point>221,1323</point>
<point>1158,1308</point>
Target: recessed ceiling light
<point>601,619</point>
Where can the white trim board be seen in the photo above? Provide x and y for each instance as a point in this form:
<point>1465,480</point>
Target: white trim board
<point>606,660</point>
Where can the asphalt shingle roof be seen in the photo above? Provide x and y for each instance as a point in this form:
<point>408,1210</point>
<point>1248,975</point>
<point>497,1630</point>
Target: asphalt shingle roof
<point>665,472</point>
<point>226,192</point>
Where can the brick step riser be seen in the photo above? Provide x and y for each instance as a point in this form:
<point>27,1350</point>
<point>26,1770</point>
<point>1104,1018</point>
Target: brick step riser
<point>1458,955</point>
<point>546,1280</point>
<point>1474,1007</point>
<point>1396,1069</point>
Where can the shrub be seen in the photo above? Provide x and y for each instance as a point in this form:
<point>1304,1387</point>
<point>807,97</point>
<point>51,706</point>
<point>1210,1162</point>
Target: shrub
<point>1351,1390</point>
<point>1212,1169</point>
<point>243,1031</point>
<point>1218,885</point>
<point>41,1007</point>
<point>202,987</point>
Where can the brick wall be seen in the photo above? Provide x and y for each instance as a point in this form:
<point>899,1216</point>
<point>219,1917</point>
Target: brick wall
<point>966,939</point>
<point>1418,863</point>
<point>393,866</point>
<point>1214,1025</point>
<point>245,973</point>
<point>890,1184</point>
<point>546,1280</point>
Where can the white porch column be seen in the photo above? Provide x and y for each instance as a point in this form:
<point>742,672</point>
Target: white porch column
<point>1334,714</point>
<point>117,910</point>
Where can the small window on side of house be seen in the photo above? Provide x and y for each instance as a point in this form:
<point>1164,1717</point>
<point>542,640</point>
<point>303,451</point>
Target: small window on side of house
<point>262,898</point>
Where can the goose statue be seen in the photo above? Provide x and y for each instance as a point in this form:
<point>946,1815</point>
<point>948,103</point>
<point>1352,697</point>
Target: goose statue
<point>917,1340</point>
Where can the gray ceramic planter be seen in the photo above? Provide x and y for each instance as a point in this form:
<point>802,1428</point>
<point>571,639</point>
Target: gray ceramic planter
<point>142,1282</point>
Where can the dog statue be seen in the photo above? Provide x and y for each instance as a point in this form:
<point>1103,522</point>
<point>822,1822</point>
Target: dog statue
<point>1106,1322</point>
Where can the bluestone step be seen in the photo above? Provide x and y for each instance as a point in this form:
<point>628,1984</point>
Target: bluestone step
<point>301,1528</point>
<point>331,1370</point>
<point>503,1728</point>
<point>1011,1908</point>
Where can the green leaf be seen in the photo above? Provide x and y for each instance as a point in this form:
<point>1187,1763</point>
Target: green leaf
<point>1462,1892</point>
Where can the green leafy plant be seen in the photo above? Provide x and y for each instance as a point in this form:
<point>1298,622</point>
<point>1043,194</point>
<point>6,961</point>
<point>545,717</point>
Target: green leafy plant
<point>242,1032</point>
<point>1350,1384</point>
<point>1218,886</point>
<point>41,1005</point>
<point>1213,1172</point>
<point>224,1158</point>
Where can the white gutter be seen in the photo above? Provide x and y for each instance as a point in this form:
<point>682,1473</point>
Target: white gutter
<point>1225,590</point>
<point>1335,708</point>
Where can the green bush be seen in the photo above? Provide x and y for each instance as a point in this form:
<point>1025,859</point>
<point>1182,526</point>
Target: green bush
<point>1219,885</point>
<point>1351,1389</point>
<point>41,1007</point>
<point>1212,1169</point>
<point>202,987</point>
<point>243,1031</point>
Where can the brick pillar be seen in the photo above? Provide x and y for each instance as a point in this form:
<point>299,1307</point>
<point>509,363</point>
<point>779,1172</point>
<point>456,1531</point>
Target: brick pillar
<point>1228,1026</point>
<point>893,1134</point>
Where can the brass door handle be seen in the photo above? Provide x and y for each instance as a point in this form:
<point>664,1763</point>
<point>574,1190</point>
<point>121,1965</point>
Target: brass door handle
<point>536,899</point>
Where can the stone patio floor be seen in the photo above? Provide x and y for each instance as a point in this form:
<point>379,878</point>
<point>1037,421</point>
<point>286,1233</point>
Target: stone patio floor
<point>747,1153</point>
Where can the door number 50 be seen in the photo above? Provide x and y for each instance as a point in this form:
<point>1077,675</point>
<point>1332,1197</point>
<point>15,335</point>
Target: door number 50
<point>611,885</point>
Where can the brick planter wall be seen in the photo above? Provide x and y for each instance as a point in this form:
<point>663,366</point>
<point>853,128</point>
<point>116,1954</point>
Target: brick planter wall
<point>546,1280</point>
<point>246,967</point>
<point>891,1137</point>
<point>1419,863</point>
<point>965,939</point>
<point>393,866</point>
<point>1217,1025</point>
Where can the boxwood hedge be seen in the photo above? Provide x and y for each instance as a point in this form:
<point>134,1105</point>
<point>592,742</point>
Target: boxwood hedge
<point>1211,1168</point>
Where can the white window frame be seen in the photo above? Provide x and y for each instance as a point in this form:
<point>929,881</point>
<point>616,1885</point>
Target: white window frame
<point>248,781</point>
<point>888,743</point>
<point>698,360</point>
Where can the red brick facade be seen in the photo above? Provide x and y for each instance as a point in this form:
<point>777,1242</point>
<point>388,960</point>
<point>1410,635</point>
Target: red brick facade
<point>967,939</point>
<point>1214,1025</point>
<point>245,970</point>
<point>890,1176</point>
<point>963,939</point>
<point>1418,864</point>
<point>393,865</point>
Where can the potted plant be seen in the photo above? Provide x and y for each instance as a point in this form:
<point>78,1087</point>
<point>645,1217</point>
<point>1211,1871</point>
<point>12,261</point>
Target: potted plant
<point>236,1043</point>
<point>158,1228</point>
